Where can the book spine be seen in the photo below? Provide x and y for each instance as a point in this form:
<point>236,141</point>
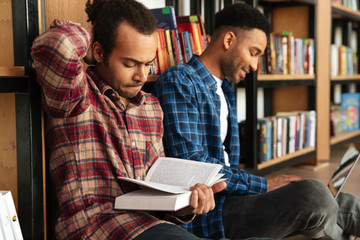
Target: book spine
<point>181,60</point>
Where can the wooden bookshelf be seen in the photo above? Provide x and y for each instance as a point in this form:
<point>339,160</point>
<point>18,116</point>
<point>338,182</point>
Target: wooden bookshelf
<point>346,78</point>
<point>284,77</point>
<point>285,158</point>
<point>12,71</point>
<point>340,11</point>
<point>344,137</point>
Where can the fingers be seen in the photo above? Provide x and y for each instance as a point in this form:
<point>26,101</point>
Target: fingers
<point>202,199</point>
<point>218,187</point>
<point>278,181</point>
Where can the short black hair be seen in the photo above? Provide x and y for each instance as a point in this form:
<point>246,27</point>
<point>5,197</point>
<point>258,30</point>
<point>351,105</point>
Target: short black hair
<point>106,15</point>
<point>242,16</point>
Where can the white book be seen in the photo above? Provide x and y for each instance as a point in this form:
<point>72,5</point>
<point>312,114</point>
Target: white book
<point>167,185</point>
<point>13,217</point>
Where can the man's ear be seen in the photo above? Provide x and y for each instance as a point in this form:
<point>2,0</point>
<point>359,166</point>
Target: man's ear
<point>229,40</point>
<point>98,52</point>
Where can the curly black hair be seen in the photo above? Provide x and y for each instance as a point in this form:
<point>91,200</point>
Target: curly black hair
<point>243,16</point>
<point>106,15</point>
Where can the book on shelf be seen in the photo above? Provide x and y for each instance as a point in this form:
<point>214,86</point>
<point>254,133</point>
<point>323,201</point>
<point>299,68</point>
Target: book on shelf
<point>166,186</point>
<point>288,55</point>
<point>196,18</point>
<point>170,47</point>
<point>350,107</point>
<point>265,148</point>
<point>166,19</point>
<point>192,29</point>
<point>335,120</point>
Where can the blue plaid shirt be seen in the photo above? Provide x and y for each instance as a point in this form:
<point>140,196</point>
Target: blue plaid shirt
<point>187,94</point>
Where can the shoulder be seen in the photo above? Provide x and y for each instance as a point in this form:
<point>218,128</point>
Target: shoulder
<point>183,76</point>
<point>150,100</point>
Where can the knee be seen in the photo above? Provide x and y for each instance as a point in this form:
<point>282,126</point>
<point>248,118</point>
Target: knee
<point>315,196</point>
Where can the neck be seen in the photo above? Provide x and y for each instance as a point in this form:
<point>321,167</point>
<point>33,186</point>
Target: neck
<point>211,60</point>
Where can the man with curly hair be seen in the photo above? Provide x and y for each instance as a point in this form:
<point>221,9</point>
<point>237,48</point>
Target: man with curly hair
<point>101,126</point>
<point>200,124</point>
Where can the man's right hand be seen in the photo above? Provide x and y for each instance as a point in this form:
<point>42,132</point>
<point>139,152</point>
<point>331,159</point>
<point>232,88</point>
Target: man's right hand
<point>89,57</point>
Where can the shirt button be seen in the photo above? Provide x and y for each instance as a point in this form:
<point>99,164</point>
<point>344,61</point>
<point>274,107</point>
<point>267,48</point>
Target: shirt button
<point>134,144</point>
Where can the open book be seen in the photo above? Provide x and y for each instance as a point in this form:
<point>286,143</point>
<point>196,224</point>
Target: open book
<point>167,185</point>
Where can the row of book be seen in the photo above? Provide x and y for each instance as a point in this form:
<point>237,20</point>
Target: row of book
<point>286,54</point>
<point>179,38</point>
<point>343,60</point>
<point>352,4</point>
<point>283,134</point>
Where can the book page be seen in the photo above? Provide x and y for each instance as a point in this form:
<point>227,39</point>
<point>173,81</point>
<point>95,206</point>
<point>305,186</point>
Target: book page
<point>180,172</point>
<point>158,186</point>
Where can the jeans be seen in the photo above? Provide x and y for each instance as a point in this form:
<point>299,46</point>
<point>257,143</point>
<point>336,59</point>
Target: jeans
<point>305,207</point>
<point>172,232</point>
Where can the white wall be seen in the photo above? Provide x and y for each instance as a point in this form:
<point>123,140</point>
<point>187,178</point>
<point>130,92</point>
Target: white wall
<point>153,3</point>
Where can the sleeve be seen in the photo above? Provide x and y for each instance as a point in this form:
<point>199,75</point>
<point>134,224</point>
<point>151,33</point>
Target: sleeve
<point>182,123</point>
<point>57,55</point>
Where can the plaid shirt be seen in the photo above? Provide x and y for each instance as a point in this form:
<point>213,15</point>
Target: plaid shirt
<point>93,139</point>
<point>187,94</point>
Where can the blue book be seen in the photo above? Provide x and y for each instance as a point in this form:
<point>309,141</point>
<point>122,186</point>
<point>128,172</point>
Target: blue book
<point>166,19</point>
<point>350,108</point>
<point>265,145</point>
<point>187,45</point>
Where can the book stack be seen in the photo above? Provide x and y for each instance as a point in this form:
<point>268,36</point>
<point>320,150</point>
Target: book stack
<point>288,55</point>
<point>282,134</point>
<point>179,38</point>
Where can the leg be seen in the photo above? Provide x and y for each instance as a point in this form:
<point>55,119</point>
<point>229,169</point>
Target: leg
<point>305,206</point>
<point>349,213</point>
<point>166,231</point>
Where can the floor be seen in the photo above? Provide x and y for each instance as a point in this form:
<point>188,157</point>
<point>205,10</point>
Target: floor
<point>323,173</point>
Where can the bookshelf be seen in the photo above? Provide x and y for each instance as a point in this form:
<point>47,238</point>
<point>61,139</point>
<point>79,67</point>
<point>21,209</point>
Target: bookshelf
<point>20,146</point>
<point>348,20</point>
<point>282,88</point>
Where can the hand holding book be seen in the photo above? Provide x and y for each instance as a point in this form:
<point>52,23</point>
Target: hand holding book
<point>172,184</point>
<point>202,199</point>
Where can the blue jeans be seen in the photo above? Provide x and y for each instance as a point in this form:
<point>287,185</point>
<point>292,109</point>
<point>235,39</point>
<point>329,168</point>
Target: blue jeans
<point>305,207</point>
<point>172,232</point>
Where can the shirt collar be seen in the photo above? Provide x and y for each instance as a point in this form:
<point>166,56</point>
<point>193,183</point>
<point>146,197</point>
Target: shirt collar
<point>107,90</point>
<point>200,68</point>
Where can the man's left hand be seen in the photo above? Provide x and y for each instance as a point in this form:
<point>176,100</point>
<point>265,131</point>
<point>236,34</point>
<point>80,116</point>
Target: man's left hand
<point>202,199</point>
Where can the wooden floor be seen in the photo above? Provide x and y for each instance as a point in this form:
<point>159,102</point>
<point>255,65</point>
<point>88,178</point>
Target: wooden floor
<point>323,172</point>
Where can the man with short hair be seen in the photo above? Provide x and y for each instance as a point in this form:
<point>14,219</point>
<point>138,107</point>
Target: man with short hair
<point>101,126</point>
<point>200,124</point>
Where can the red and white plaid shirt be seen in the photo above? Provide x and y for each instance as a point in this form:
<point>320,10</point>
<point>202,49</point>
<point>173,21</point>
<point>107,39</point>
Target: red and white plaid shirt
<point>92,139</point>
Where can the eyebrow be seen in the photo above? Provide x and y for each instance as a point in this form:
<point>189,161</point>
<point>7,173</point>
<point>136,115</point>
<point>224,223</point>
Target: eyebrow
<point>258,50</point>
<point>137,61</point>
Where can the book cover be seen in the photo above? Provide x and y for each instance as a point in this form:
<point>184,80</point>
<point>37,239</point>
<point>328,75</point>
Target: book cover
<point>350,106</point>
<point>9,218</point>
<point>169,179</point>
<point>152,200</point>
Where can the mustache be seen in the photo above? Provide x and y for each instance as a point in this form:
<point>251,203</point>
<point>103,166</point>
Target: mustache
<point>135,84</point>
